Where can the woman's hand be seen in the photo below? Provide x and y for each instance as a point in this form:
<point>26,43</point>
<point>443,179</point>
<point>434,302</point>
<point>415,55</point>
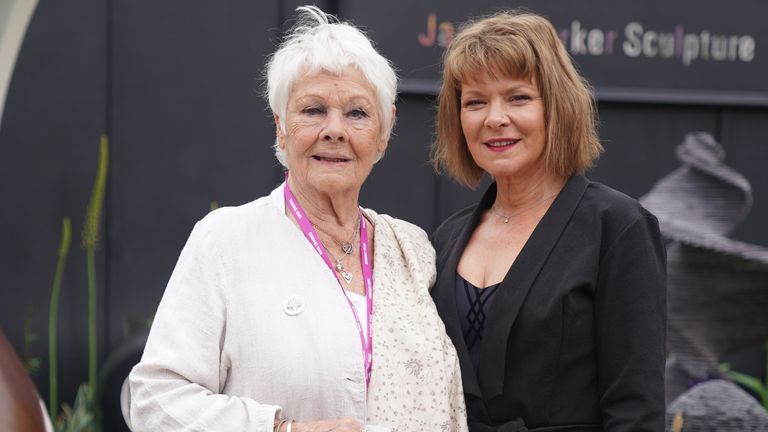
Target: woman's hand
<point>340,425</point>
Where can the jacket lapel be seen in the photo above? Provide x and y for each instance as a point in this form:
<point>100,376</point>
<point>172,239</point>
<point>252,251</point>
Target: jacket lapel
<point>444,292</point>
<point>518,281</point>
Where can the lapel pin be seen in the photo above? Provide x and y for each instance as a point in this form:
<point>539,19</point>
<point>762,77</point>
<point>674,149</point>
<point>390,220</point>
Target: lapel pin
<point>294,305</point>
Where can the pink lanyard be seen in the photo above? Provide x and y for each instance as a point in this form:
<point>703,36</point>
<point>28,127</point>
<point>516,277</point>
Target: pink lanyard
<point>314,240</point>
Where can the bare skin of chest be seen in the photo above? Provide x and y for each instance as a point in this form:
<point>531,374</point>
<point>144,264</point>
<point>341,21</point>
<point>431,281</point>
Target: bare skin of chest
<point>494,247</point>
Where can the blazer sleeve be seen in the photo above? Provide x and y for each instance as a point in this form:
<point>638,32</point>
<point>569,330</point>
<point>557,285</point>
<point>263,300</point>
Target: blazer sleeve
<point>177,385</point>
<point>630,316</point>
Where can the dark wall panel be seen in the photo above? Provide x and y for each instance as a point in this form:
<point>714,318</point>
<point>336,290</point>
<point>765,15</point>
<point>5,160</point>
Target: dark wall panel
<point>454,197</point>
<point>189,127</point>
<point>744,137</point>
<point>640,141</point>
<point>49,139</point>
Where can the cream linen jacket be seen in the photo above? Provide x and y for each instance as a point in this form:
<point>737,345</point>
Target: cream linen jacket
<point>223,355</point>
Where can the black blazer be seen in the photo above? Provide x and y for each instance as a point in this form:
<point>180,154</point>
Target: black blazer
<point>575,338</point>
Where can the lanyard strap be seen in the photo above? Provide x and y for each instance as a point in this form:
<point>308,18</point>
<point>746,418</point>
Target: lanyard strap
<point>314,240</point>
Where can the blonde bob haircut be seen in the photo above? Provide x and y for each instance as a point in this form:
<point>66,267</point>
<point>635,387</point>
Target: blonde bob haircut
<point>519,45</point>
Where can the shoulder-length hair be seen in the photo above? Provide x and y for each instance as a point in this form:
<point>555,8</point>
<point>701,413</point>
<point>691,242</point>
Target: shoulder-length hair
<point>520,45</point>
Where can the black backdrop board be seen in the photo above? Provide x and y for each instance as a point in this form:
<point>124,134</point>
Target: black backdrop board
<point>648,51</point>
<point>189,127</point>
<point>640,142</point>
<point>745,131</point>
<point>54,115</point>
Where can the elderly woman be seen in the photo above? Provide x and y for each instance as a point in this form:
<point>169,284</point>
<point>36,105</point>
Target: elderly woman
<point>301,311</point>
<point>553,286</point>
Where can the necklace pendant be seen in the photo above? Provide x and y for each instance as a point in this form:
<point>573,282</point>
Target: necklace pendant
<point>506,220</point>
<point>339,267</point>
<point>347,276</point>
<point>347,248</point>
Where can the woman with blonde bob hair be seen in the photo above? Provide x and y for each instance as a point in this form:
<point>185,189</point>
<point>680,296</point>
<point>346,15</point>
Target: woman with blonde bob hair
<point>532,49</point>
<point>302,311</point>
<point>552,287</point>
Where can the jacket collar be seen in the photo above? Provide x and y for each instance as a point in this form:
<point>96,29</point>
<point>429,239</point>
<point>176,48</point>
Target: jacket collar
<point>512,292</point>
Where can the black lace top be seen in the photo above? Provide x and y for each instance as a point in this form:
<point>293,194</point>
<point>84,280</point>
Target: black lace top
<point>473,304</point>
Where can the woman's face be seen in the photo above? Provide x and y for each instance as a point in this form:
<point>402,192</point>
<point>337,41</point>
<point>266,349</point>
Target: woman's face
<point>333,131</point>
<point>503,123</point>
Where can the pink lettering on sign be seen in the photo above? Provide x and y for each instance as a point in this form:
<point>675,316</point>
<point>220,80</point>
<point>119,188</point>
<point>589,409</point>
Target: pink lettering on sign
<point>441,34</point>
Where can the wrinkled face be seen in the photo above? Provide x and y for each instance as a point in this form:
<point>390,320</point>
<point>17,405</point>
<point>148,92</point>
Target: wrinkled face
<point>333,132</point>
<point>503,123</point>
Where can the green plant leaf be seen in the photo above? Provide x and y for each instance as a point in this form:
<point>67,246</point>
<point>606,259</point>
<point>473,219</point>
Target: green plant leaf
<point>95,204</point>
<point>747,381</point>
<point>750,382</point>
<point>53,311</point>
<point>91,244</point>
<point>32,365</point>
<point>79,418</point>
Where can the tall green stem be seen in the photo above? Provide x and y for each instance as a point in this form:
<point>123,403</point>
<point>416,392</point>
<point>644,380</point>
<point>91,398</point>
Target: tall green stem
<point>92,351</point>
<point>91,245</point>
<point>53,312</point>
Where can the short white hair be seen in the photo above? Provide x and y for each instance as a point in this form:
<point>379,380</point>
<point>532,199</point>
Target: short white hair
<point>319,42</point>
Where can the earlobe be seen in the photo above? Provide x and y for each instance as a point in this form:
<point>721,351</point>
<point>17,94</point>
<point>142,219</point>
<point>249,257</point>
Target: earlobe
<point>385,139</point>
<point>383,145</point>
<point>278,131</point>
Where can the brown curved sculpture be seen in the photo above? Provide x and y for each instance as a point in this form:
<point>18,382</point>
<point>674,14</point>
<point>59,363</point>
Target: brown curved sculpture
<point>19,402</point>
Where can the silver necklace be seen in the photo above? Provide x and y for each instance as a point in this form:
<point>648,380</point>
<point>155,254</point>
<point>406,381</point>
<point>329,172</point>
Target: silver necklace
<point>521,211</point>
<point>347,248</point>
<point>339,267</point>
